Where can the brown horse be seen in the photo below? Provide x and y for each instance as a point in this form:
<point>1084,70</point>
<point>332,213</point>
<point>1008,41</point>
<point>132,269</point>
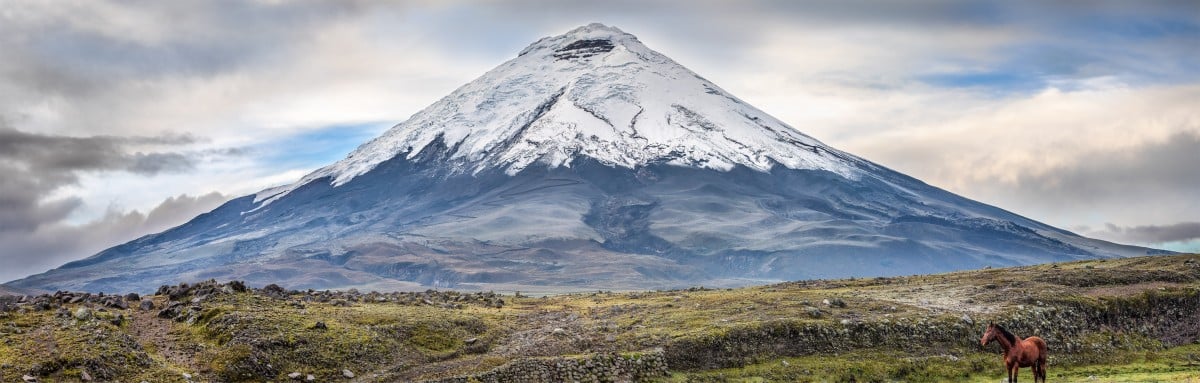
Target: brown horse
<point>1029,352</point>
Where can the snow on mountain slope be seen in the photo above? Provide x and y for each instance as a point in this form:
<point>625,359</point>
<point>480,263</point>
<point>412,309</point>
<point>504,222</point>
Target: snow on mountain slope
<point>596,92</point>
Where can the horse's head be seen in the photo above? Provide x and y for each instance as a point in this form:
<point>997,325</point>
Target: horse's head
<point>989,335</point>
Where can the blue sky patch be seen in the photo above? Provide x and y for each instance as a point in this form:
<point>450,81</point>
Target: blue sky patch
<point>319,147</point>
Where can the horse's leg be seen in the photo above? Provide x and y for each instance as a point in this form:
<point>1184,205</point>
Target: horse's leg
<point>1041,364</point>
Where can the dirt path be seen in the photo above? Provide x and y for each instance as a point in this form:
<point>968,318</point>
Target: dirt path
<point>157,337</point>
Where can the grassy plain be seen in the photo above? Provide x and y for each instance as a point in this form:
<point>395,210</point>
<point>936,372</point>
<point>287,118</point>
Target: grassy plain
<point>1127,320</point>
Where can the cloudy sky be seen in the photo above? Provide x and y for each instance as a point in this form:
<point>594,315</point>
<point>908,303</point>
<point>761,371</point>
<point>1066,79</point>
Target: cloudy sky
<point>119,119</point>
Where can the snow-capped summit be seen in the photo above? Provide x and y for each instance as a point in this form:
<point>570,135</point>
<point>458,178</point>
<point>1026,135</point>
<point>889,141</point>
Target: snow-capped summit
<point>593,92</point>
<point>588,161</point>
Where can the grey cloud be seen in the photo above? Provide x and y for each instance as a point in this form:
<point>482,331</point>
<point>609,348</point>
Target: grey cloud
<point>1152,234</point>
<point>176,210</point>
<point>1150,183</point>
<point>53,244</point>
<point>57,154</point>
<point>35,165</point>
<point>104,64</point>
<point>77,49</point>
<point>22,204</point>
<point>1170,167</point>
<point>22,207</point>
<point>154,163</point>
<point>227,152</point>
<point>1123,36</point>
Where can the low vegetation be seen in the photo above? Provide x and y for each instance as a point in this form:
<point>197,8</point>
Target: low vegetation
<point>1127,320</point>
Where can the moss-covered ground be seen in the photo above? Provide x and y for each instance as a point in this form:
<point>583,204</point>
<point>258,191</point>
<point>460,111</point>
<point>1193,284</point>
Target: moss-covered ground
<point>1128,320</point>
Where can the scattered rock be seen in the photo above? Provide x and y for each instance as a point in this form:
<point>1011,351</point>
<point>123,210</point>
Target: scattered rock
<point>558,331</point>
<point>133,297</point>
<point>294,375</point>
<point>813,311</point>
<point>172,310</point>
<point>785,363</point>
<point>237,286</point>
<point>471,341</point>
<point>28,378</point>
<point>187,376</point>
<point>274,290</point>
<point>83,313</point>
<point>348,374</point>
<point>834,302</point>
<point>320,326</point>
<point>146,305</point>
<point>83,375</point>
<point>310,378</point>
<point>967,319</point>
<point>116,303</point>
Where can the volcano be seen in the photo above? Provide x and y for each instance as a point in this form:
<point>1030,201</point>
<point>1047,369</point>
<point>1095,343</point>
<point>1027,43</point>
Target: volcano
<point>587,162</point>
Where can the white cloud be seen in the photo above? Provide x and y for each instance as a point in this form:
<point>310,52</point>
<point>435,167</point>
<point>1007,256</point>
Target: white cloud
<point>1064,157</point>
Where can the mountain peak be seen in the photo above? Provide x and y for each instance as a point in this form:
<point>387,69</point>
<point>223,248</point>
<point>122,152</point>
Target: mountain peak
<point>584,41</point>
<point>596,29</point>
<point>594,92</point>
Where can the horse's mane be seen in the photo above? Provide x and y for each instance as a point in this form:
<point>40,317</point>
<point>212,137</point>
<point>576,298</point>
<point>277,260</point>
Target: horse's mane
<point>1012,339</point>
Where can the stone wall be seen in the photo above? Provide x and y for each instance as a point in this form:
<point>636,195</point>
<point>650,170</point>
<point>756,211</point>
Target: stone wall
<point>625,367</point>
<point>1075,330</point>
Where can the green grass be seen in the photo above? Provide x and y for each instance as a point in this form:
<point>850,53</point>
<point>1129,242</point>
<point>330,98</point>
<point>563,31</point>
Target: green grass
<point>1174,365</point>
